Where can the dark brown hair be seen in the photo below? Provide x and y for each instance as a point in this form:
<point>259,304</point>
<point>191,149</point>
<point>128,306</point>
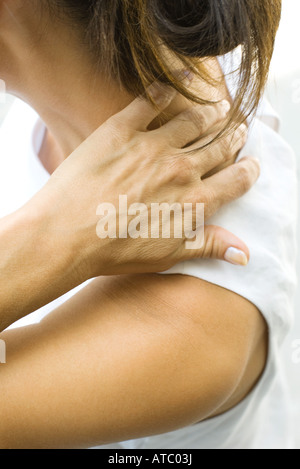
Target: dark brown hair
<point>129,39</point>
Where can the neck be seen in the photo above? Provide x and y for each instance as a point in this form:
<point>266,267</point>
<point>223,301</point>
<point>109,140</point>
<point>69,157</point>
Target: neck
<point>45,64</point>
<point>73,111</point>
<point>53,73</point>
<point>73,102</point>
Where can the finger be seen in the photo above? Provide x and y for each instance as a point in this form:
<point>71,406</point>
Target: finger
<point>223,151</point>
<point>223,245</point>
<point>193,123</point>
<point>231,183</point>
<point>141,112</point>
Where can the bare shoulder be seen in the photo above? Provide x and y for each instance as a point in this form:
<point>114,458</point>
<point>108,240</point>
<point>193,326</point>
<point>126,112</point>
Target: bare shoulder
<point>218,337</point>
<point>205,321</point>
<point>184,348</point>
<point>231,328</point>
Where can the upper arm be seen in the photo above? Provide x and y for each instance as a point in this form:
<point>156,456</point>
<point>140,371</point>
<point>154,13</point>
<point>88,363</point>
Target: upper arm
<point>129,357</point>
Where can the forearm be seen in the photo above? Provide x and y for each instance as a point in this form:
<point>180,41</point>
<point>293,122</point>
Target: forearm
<point>36,266</point>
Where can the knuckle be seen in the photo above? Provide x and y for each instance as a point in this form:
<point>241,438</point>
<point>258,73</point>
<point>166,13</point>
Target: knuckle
<point>210,244</point>
<point>197,117</point>
<point>180,171</point>
<point>146,147</point>
<point>149,150</point>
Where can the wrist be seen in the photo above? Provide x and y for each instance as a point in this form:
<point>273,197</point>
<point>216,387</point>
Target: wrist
<point>35,269</point>
<point>56,241</point>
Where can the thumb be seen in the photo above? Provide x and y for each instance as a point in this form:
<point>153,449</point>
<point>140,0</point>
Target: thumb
<point>223,245</point>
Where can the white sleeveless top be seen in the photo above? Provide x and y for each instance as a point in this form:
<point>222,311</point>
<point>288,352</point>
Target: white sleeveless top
<point>265,219</point>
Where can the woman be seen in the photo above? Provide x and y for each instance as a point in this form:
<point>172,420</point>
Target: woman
<point>136,356</point>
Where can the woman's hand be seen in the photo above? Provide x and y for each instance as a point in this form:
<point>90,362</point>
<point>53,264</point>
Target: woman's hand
<point>123,158</point>
<point>52,244</point>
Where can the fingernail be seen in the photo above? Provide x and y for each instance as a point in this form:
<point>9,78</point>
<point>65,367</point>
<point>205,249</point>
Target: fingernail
<point>156,91</point>
<point>188,77</point>
<point>161,93</point>
<point>243,132</point>
<point>236,257</point>
<point>251,158</point>
<point>185,76</point>
<point>258,164</point>
<point>243,129</point>
<point>226,106</point>
<point>257,161</point>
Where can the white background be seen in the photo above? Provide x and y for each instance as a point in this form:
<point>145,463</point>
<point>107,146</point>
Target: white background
<point>284,93</point>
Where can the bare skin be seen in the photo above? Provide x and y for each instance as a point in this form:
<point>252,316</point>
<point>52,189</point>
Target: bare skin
<point>90,372</point>
<point>127,358</point>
